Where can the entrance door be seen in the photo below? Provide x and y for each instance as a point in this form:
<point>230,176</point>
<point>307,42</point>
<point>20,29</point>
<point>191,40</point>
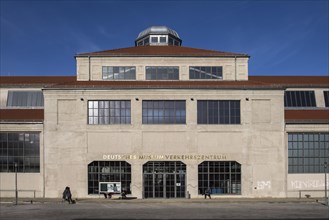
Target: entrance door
<point>164,179</point>
<point>170,185</point>
<point>159,184</point>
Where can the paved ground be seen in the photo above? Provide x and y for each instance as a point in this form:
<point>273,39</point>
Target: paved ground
<point>165,209</point>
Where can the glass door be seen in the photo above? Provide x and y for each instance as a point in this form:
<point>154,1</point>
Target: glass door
<point>180,185</point>
<point>170,185</point>
<point>164,179</point>
<point>159,185</point>
<point>148,186</point>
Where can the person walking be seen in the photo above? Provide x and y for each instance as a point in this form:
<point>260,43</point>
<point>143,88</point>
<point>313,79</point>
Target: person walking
<point>67,195</point>
<point>207,193</point>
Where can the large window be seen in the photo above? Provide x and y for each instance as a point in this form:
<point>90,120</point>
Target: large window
<point>222,177</point>
<point>119,72</point>
<point>162,73</point>
<point>326,98</point>
<point>307,152</point>
<point>109,171</point>
<point>218,112</point>
<point>20,148</point>
<point>109,112</point>
<point>25,99</point>
<point>299,99</point>
<point>206,72</point>
<point>164,112</point>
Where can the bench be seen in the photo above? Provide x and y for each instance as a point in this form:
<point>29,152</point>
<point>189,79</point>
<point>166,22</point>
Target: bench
<point>111,194</point>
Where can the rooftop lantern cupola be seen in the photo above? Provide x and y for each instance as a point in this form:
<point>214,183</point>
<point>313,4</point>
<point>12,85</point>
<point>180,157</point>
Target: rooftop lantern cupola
<point>158,36</point>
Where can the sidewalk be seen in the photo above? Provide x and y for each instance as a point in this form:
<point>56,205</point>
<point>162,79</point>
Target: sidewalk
<point>194,200</point>
<point>219,208</point>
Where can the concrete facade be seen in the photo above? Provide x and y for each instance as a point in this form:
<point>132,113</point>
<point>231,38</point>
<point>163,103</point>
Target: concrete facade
<point>251,143</point>
<point>90,68</point>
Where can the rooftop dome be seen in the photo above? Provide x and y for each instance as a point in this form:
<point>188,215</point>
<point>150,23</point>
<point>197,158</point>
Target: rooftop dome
<point>158,35</point>
<point>158,30</point>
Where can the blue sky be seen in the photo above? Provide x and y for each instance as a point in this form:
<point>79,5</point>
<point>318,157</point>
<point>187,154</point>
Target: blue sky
<point>282,37</point>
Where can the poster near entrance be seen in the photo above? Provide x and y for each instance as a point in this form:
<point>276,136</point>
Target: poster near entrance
<point>110,187</point>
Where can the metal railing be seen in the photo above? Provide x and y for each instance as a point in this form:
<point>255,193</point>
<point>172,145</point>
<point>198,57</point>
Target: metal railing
<point>309,190</point>
<point>20,190</point>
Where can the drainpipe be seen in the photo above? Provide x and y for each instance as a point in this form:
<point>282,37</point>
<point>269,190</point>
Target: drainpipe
<point>43,157</point>
<point>235,71</point>
<point>89,68</point>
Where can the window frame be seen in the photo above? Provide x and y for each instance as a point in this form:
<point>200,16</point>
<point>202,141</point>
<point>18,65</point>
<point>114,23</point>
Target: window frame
<point>158,73</point>
<point>132,70</point>
<point>108,171</point>
<point>228,112</point>
<point>154,39</point>
<point>299,99</point>
<point>22,148</point>
<point>214,174</point>
<point>205,69</point>
<point>307,151</point>
<point>326,98</point>
<point>25,99</point>
<point>112,111</point>
<point>158,112</point>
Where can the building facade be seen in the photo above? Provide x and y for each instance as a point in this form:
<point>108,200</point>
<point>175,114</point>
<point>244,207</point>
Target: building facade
<point>161,120</point>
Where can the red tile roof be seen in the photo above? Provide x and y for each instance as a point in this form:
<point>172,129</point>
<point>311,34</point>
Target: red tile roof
<point>21,115</point>
<point>307,116</point>
<point>164,84</point>
<point>254,82</point>
<point>34,81</point>
<point>167,51</point>
<point>292,81</point>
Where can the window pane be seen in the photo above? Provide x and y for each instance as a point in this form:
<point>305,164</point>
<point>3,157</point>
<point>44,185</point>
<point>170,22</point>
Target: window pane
<point>162,73</point>
<point>202,72</point>
<point>326,98</point>
<point>109,112</point>
<point>154,39</point>
<point>20,148</point>
<point>221,177</point>
<point>164,112</point>
<point>218,112</point>
<point>119,72</point>
<point>163,39</point>
<point>146,41</point>
<point>300,99</point>
<point>25,99</point>
<point>309,151</point>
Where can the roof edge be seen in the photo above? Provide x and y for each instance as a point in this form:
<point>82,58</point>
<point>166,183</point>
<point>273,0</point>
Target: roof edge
<point>230,54</point>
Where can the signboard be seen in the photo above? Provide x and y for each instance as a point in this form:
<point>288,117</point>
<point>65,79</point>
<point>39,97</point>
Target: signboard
<point>110,187</point>
<point>164,157</point>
